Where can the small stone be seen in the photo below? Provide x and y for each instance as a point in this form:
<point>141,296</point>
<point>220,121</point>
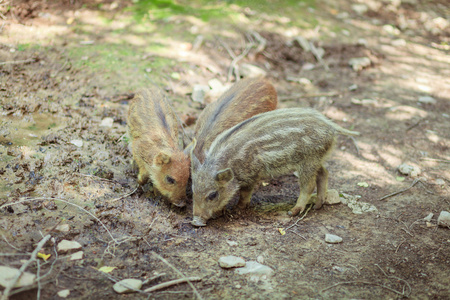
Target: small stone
<point>63,228</point>
<point>308,66</point>
<point>340,269</point>
<point>406,169</point>
<point>362,42</point>
<point>78,143</point>
<point>392,30</point>
<point>232,243</point>
<point>359,63</point>
<point>77,255</point>
<point>66,246</point>
<point>198,93</point>
<point>260,259</point>
<point>427,100</point>
<point>429,224</point>
<point>255,268</point>
<point>360,9</point>
<point>439,181</point>
<point>231,261</point>
<point>353,87</point>
<point>238,286</point>
<point>364,102</point>
<point>107,122</point>
<point>7,275</point>
<point>398,43</point>
<point>444,219</point>
<point>127,286</point>
<point>63,293</point>
<point>333,197</point>
<point>429,217</point>
<point>332,239</point>
<point>248,70</point>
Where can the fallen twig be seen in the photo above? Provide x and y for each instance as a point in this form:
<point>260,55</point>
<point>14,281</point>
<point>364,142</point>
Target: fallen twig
<point>16,62</point>
<point>298,234</point>
<point>364,282</point>
<point>24,266</point>
<point>11,245</point>
<point>172,282</point>
<point>299,219</point>
<point>401,191</point>
<point>65,201</point>
<point>184,279</point>
<point>356,145</point>
<point>398,278</point>
<point>436,159</point>
<point>398,247</point>
<point>96,177</point>
<point>126,195</point>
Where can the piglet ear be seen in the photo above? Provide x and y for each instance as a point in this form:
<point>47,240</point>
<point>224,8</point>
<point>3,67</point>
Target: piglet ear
<point>190,148</point>
<point>162,158</point>
<point>195,163</point>
<point>224,176</point>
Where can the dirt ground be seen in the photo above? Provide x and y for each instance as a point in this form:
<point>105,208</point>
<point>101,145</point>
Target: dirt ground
<point>66,66</point>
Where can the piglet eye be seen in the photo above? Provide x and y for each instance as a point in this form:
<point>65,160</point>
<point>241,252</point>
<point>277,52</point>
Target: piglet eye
<point>212,195</point>
<point>170,180</point>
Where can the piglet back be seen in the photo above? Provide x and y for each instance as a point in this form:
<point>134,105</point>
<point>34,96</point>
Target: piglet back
<point>243,100</point>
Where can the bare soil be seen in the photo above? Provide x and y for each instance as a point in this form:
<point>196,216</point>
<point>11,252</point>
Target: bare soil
<point>51,96</point>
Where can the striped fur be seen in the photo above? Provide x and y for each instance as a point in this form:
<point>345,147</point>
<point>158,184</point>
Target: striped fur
<point>243,100</point>
<point>270,144</point>
<point>153,132</point>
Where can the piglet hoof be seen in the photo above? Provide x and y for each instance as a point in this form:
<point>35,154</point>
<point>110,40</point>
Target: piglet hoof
<point>318,205</point>
<point>197,221</point>
<point>295,211</point>
<point>181,203</point>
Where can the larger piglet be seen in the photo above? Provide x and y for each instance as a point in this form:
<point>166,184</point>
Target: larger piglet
<point>246,98</point>
<point>153,132</point>
<point>270,144</point>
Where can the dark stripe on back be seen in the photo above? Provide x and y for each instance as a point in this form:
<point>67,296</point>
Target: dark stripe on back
<point>237,127</point>
<point>161,115</point>
<point>223,104</point>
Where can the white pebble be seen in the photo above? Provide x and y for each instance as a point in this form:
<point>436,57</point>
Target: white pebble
<point>427,100</point>
<point>332,239</point>
<point>65,246</point>
<point>78,143</point>
<point>231,262</point>
<point>63,293</point>
<point>127,286</point>
<point>444,219</point>
<point>77,255</point>
<point>429,217</point>
<point>260,259</point>
<point>8,274</point>
<point>107,122</point>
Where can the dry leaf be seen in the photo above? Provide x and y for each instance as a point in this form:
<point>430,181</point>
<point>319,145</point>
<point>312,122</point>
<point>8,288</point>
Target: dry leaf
<point>282,231</point>
<point>43,256</point>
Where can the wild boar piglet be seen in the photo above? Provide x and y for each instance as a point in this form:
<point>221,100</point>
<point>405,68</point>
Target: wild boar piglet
<point>267,145</point>
<point>153,133</point>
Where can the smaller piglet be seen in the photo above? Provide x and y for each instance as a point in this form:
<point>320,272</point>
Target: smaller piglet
<point>270,144</point>
<point>153,133</point>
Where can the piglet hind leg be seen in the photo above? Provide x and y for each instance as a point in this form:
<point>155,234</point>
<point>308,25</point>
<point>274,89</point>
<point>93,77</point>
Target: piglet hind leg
<point>306,189</point>
<point>322,187</point>
<point>245,196</point>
